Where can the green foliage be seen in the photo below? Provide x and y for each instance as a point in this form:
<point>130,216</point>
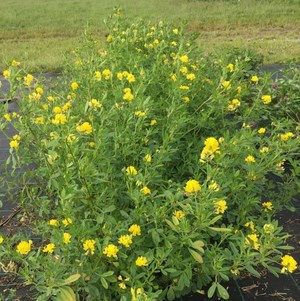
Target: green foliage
<point>154,169</point>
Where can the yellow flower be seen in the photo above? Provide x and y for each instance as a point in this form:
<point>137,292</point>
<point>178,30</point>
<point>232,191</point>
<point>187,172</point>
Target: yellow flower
<point>7,117</point>
<point>183,87</point>
<point>267,206</point>
<point>1,239</point>
<point>288,264</point>
<point>191,76</point>
<point>14,144</point>
<point>266,99</point>
<point>220,206</point>
<point>59,119</point>
<point>145,190</point>
<point>254,239</point>
<point>141,261</point>
<point>94,103</point>
<point>109,38</point>
<point>131,171</point>
<point>39,120</point>
<point>179,214</point>
<point>135,230</point>
<point>24,247</point>
<point>49,248</point>
<point>153,122</point>
<point>74,86</point>
<point>250,225</point>
<point>15,63</point>
<point>89,246</point>
<point>140,114</point>
<point>67,238</point>
<point>148,158</point>
<point>286,136</point>
<point>6,74</point>
<point>184,58</point>
<point>211,146</point>
<point>214,186</point>
<point>233,104</point>
<point>174,77</point>
<point>226,84</point>
<point>111,251</point>
<point>53,222</point>
<point>39,90</point>
<point>130,77</point>
<point>186,99</point>
<point>184,70</point>
<point>175,30</point>
<point>128,95</point>
<point>230,67</point>
<point>254,79</point>
<point>122,285</point>
<point>261,130</point>
<point>34,96</point>
<point>238,89</point>
<point>268,228</point>
<point>28,80</point>
<point>92,144</point>
<point>57,110</point>
<point>106,73</point>
<point>125,240</point>
<point>67,221</point>
<point>98,75</point>
<point>250,159</point>
<point>192,186</point>
<point>85,128</point>
<point>264,150</point>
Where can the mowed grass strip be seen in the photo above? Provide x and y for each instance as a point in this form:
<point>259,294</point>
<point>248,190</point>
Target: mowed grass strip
<point>39,32</point>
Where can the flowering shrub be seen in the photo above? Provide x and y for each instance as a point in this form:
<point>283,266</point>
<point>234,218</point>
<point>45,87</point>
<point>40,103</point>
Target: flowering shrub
<point>154,172</point>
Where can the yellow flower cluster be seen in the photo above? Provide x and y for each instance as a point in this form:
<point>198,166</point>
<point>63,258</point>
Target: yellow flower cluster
<point>24,247</point>
<point>128,95</point>
<point>192,186</point>
<point>253,241</point>
<point>59,119</point>
<point>125,240</point>
<point>135,230</point>
<point>111,251</point>
<point>220,206</point>
<point>141,261</point>
<point>128,76</point>
<point>233,105</point>
<point>211,146</point>
<point>179,214</point>
<point>267,205</point>
<point>94,103</point>
<point>89,246</point>
<point>131,171</point>
<point>49,248</point>
<point>261,130</point>
<point>145,190</point>
<point>250,159</point>
<point>28,79</point>
<point>287,136</point>
<point>85,128</point>
<point>266,99</point>
<point>254,79</point>
<point>289,264</point>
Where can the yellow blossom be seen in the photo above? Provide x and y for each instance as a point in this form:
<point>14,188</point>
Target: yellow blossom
<point>226,84</point>
<point>1,239</point>
<point>14,144</point>
<point>6,74</point>
<point>250,159</point>
<point>288,263</point>
<point>140,114</point>
<point>254,239</point>
<point>15,63</point>
<point>131,78</point>
<point>97,75</point>
<point>24,247</point>
<point>49,248</point>
<point>264,150</point>
<point>111,251</point>
<point>53,222</point>
<point>183,87</point>
<point>174,77</point>
<point>254,79</point>
<point>74,86</point>
<point>179,214</point>
<point>184,58</point>
<point>67,221</point>
<point>184,70</point>
<point>94,103</point>
<point>175,30</point>
<point>59,119</point>
<point>230,67</point>
<point>266,99</point>
<point>109,38</point>
<point>148,158</point>
<point>128,95</point>
<point>145,190</point>
<point>238,89</point>
<point>268,228</point>
<point>261,130</point>
<point>34,96</point>
<point>153,122</point>
<point>89,246</point>
<point>39,120</point>
<point>125,240</point>
<point>214,186</point>
<point>141,261</point>
<point>67,238</point>
<point>220,206</point>
<point>267,206</point>
<point>85,128</point>
<point>39,90</point>
<point>7,117</point>
<point>250,225</point>
<point>106,73</point>
<point>135,230</point>
<point>131,171</point>
<point>192,186</point>
<point>28,80</point>
<point>211,146</point>
<point>92,144</point>
<point>286,136</point>
<point>186,99</point>
<point>190,76</point>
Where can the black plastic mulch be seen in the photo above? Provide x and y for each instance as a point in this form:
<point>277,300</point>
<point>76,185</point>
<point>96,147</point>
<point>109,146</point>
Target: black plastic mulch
<point>247,288</point>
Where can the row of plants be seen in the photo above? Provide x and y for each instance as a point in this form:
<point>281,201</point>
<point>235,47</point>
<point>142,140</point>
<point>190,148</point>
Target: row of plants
<point>149,170</point>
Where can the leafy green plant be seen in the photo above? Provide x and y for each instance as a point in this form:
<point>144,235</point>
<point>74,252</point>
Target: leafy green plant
<point>150,170</point>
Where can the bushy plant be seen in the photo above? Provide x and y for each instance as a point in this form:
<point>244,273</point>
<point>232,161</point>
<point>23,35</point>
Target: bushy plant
<point>149,171</point>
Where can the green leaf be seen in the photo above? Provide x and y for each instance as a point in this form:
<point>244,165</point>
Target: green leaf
<point>211,290</point>
<point>196,255</point>
<point>104,282</point>
<point>251,270</point>
<point>72,278</point>
<point>215,219</point>
<point>170,294</point>
<point>220,229</point>
<point>107,274</point>
<point>155,237</point>
<point>110,208</point>
<point>172,226</point>
<point>198,245</point>
<point>222,291</point>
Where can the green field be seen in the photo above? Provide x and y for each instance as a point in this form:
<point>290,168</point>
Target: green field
<point>40,32</point>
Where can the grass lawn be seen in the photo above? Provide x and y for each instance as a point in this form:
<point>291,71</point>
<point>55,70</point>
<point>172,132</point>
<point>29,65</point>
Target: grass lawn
<point>39,32</point>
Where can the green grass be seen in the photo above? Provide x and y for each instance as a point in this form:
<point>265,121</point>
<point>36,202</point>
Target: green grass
<point>39,32</point>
